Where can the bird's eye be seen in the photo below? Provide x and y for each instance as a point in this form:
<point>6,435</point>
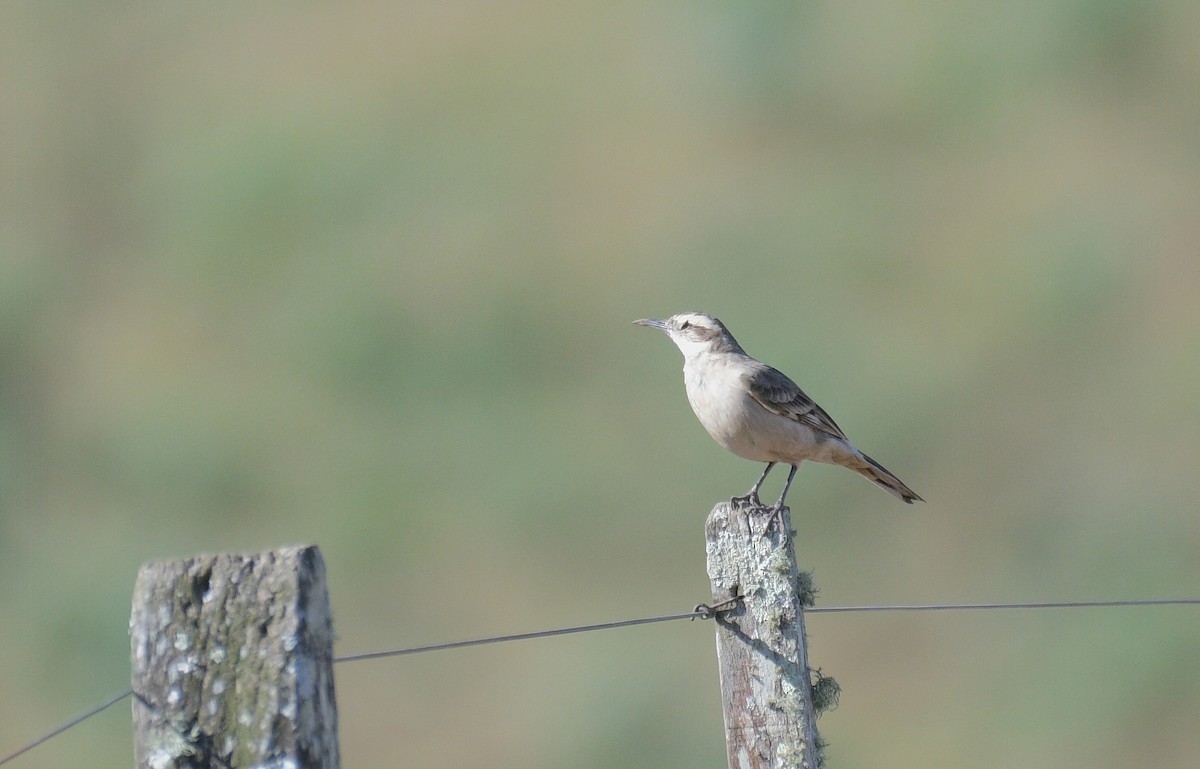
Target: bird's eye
<point>685,325</point>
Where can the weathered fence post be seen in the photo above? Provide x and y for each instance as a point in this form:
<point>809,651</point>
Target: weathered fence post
<point>233,663</point>
<point>765,685</point>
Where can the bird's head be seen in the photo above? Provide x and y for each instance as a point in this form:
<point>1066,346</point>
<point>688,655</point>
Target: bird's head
<point>695,333</point>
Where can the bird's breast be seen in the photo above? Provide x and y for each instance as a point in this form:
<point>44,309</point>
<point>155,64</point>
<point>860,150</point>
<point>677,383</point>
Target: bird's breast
<point>724,407</point>
<point>722,402</point>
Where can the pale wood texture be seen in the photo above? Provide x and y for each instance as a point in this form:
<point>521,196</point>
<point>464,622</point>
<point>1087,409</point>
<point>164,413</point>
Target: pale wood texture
<point>233,663</point>
<point>769,718</point>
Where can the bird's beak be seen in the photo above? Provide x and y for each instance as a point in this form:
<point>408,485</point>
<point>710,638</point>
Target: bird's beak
<point>657,323</point>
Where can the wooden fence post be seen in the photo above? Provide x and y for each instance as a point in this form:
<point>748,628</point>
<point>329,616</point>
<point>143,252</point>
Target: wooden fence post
<point>233,663</point>
<point>770,722</point>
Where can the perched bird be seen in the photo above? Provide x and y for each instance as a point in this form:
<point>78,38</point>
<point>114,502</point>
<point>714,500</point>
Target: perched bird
<point>758,413</point>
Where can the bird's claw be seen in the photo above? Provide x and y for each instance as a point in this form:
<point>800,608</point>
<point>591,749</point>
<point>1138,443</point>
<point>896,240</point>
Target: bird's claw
<point>750,500</point>
<point>773,514</point>
<point>775,522</point>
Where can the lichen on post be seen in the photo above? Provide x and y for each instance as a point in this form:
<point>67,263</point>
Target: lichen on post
<point>233,662</point>
<point>770,722</point>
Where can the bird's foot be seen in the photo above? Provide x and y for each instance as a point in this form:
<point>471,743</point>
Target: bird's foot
<point>773,514</point>
<point>750,500</point>
<point>775,523</point>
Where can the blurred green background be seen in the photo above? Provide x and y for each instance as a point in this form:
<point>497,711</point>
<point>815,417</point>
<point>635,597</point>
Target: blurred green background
<point>362,274</point>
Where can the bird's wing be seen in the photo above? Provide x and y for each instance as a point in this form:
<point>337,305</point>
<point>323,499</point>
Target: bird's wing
<point>780,395</point>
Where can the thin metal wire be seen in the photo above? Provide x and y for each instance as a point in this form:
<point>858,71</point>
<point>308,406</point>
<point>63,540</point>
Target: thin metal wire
<point>73,722</point>
<point>700,612</point>
<point>1034,605</point>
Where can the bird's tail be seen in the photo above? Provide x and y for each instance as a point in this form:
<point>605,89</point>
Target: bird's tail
<point>873,471</point>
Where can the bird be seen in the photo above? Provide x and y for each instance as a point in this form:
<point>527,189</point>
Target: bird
<point>757,412</point>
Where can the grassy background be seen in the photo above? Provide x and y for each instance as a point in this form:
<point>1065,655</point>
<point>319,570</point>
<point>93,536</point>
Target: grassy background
<point>362,274</point>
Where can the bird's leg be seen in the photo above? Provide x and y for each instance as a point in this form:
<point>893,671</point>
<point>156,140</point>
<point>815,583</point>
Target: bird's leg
<point>752,497</point>
<point>779,505</point>
<point>776,518</point>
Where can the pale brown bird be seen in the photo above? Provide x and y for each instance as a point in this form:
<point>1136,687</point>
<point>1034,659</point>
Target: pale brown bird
<point>756,412</point>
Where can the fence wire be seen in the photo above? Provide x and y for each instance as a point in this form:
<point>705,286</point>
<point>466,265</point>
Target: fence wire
<point>701,611</point>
